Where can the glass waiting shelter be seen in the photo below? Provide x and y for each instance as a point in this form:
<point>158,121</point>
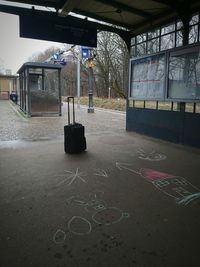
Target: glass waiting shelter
<point>40,89</point>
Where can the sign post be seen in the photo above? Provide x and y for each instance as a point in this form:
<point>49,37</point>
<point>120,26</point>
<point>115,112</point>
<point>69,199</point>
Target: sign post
<point>78,81</point>
<point>86,53</point>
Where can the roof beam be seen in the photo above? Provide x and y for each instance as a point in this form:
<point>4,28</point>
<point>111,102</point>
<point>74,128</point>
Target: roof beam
<point>70,20</point>
<point>47,3</point>
<point>124,7</point>
<point>68,6</point>
<point>101,18</point>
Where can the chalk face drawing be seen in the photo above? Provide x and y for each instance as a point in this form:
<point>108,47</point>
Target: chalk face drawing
<point>71,177</point>
<point>151,156</point>
<point>174,186</point>
<point>101,212</point>
<point>79,225</point>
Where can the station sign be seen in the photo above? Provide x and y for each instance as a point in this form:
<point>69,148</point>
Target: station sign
<point>58,31</point>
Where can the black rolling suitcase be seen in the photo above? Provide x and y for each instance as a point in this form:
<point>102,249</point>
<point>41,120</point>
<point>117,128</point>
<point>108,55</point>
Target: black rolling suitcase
<point>74,133</point>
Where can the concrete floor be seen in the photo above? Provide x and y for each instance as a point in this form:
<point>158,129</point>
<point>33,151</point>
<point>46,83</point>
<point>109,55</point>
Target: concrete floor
<point>129,200</point>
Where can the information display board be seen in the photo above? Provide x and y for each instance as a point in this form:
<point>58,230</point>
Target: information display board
<point>184,74</point>
<point>147,78</point>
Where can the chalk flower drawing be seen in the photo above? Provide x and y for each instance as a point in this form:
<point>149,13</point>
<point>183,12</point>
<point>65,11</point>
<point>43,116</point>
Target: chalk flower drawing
<point>174,186</point>
<point>71,177</point>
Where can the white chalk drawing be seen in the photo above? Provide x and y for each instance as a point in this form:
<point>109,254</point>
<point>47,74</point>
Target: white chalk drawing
<point>71,177</point>
<point>79,226</point>
<point>93,204</point>
<point>109,216</point>
<point>76,200</point>
<point>100,172</point>
<point>59,237</point>
<point>150,156</point>
<point>177,187</point>
<point>101,212</point>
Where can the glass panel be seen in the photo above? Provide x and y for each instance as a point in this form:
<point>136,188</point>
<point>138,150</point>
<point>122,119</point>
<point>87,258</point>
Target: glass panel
<point>153,46</point>
<point>141,38</point>
<point>148,76</point>
<point>133,41</point>
<point>194,19</point>
<point>167,41</point>
<point>150,104</point>
<point>45,92</point>
<point>35,82</point>
<point>197,107</point>
<point>164,105</point>
<point>179,38</point>
<point>139,104</point>
<point>133,52</point>
<point>189,107</point>
<point>179,25</point>
<point>141,49</point>
<point>184,76</point>
<point>35,71</point>
<point>167,29</point>
<point>153,34</point>
<point>193,35</point>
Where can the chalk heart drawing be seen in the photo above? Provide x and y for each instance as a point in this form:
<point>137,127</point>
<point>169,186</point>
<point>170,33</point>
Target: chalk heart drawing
<point>151,156</point>
<point>71,176</point>
<point>176,187</point>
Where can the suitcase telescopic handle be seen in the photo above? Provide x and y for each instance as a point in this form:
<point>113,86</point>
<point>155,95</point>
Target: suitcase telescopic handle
<point>73,114</point>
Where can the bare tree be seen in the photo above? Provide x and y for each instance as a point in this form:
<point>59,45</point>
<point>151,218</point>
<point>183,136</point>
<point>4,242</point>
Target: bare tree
<point>112,64</point>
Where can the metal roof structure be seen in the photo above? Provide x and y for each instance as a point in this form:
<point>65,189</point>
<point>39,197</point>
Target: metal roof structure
<point>125,17</point>
<point>39,65</point>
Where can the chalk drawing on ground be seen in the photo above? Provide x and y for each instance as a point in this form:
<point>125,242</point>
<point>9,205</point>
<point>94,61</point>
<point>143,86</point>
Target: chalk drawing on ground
<point>100,211</point>
<point>150,156</point>
<point>174,186</point>
<point>71,177</point>
<point>109,216</point>
<point>100,172</point>
<point>79,226</point>
<point>59,237</point>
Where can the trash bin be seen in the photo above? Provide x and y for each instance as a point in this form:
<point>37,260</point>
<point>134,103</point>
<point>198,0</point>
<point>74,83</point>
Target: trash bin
<point>14,98</point>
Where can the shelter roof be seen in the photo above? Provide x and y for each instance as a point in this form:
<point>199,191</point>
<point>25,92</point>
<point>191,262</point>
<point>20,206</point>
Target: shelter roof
<point>135,16</point>
<point>39,65</point>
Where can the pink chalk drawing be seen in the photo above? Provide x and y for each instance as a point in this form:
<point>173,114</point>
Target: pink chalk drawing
<point>152,175</point>
<point>174,186</point>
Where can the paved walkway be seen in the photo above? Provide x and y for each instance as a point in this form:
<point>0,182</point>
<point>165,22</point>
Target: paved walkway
<point>129,200</point>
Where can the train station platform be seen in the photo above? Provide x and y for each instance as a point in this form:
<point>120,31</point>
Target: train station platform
<point>129,200</point>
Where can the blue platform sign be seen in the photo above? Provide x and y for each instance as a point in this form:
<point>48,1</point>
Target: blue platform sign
<point>85,52</point>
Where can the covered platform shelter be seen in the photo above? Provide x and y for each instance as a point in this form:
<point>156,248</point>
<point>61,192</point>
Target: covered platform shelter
<point>129,200</point>
<point>159,33</point>
<point>40,89</point>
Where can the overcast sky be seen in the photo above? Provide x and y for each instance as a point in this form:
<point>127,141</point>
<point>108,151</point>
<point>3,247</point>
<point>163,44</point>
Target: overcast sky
<point>14,51</point>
